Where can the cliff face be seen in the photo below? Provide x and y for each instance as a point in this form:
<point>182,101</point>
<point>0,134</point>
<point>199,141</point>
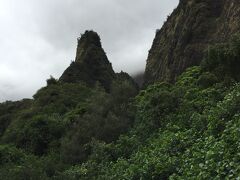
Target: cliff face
<point>91,64</point>
<point>186,34</point>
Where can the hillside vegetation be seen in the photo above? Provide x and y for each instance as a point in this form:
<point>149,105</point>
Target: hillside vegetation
<point>186,130</point>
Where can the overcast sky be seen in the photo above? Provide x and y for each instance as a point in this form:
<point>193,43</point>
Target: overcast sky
<point>38,38</point>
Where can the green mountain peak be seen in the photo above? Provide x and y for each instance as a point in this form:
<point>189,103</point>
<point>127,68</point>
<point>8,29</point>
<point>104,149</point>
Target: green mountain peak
<point>91,64</point>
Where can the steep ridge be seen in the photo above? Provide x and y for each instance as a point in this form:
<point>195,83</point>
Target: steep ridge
<point>91,64</point>
<point>191,28</point>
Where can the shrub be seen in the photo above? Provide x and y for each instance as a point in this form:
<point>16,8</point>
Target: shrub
<point>51,81</point>
<point>207,79</point>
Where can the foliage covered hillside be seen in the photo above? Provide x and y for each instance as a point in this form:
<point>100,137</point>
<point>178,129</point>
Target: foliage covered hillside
<point>44,136</point>
<point>186,130</point>
<point>189,130</point>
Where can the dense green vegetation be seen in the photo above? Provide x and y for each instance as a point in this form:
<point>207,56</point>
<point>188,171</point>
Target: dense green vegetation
<point>186,130</point>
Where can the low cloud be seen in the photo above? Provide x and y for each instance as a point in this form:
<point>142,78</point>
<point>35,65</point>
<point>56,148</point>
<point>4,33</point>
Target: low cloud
<point>38,37</point>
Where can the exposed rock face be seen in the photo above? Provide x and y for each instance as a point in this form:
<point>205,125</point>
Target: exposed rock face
<point>186,34</point>
<point>91,63</point>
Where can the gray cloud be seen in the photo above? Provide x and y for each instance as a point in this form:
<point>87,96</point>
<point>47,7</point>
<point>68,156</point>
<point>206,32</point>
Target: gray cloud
<point>38,37</point>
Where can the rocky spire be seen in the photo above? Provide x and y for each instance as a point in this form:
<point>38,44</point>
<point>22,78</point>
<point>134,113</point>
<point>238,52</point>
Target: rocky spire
<point>91,64</point>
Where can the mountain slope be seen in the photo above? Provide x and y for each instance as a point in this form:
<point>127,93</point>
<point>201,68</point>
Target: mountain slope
<point>186,34</point>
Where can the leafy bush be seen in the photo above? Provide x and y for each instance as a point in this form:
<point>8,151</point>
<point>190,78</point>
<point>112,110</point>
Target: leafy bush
<point>10,110</point>
<point>207,79</point>
<point>154,103</point>
<point>37,135</point>
<point>51,80</point>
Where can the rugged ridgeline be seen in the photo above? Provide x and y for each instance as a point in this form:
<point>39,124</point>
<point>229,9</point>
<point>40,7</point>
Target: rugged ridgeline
<point>188,31</point>
<point>91,63</point>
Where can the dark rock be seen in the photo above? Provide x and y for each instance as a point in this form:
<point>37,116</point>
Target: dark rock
<point>187,33</point>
